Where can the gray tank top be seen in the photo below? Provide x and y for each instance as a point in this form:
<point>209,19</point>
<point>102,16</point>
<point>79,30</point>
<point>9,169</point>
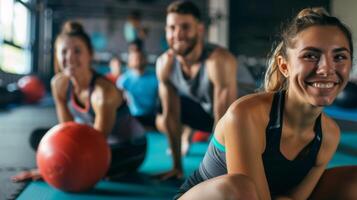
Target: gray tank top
<point>126,128</point>
<point>200,88</point>
<point>282,174</point>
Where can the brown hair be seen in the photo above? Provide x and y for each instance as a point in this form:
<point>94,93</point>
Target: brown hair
<point>72,29</point>
<point>184,7</point>
<point>274,79</point>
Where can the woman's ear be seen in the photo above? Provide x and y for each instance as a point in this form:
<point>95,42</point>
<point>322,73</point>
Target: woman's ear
<point>283,66</point>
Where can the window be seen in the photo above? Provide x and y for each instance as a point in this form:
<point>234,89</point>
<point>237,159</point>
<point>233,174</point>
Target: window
<point>15,52</point>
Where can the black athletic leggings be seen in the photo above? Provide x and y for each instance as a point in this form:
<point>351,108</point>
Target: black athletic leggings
<point>193,115</point>
<point>126,157</point>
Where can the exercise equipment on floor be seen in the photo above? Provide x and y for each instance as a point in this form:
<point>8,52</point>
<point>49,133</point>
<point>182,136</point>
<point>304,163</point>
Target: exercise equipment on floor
<point>111,78</point>
<point>348,97</point>
<point>200,136</point>
<point>32,88</point>
<point>73,157</point>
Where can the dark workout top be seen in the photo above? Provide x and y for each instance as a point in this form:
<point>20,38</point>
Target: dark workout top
<point>282,174</point>
<point>200,88</point>
<point>125,129</point>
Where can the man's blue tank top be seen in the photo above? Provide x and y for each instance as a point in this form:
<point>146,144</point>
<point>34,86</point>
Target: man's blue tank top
<point>141,91</point>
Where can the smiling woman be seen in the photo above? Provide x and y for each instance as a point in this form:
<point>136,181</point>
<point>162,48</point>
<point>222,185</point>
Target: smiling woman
<point>277,144</point>
<point>318,65</point>
<point>84,96</point>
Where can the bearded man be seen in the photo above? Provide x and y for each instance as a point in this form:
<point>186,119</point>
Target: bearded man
<point>197,80</point>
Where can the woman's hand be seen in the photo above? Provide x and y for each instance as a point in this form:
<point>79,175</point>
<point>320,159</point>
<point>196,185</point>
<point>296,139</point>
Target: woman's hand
<point>33,174</point>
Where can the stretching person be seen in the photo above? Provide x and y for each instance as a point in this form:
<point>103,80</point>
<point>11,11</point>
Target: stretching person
<point>197,80</point>
<point>278,143</point>
<point>114,70</point>
<point>83,96</point>
<point>140,86</point>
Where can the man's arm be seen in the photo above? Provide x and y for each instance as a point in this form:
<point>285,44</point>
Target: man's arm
<point>222,71</point>
<point>169,121</point>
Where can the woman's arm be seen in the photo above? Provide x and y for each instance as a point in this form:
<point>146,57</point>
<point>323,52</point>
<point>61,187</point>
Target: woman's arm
<point>106,99</point>
<point>59,87</point>
<point>244,143</point>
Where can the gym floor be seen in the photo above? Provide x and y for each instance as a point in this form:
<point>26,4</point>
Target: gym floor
<point>17,122</point>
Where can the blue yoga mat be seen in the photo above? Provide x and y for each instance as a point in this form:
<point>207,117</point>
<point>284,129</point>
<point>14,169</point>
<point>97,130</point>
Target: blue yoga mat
<point>141,187</point>
<point>158,161</point>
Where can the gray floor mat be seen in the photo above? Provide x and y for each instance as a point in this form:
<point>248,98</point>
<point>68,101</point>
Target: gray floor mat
<point>16,124</point>
<point>10,190</point>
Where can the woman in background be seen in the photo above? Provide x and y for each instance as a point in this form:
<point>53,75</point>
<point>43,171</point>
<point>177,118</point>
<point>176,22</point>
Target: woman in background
<point>84,96</point>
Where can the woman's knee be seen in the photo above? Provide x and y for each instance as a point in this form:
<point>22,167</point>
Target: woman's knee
<point>237,186</point>
<point>337,183</point>
<point>348,189</point>
<point>230,186</point>
<point>164,125</point>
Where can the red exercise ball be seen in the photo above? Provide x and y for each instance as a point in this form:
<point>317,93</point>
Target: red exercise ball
<point>111,78</point>
<point>73,157</point>
<point>32,88</point>
<point>200,136</point>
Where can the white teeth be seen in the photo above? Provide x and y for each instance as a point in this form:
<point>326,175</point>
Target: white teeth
<point>323,85</point>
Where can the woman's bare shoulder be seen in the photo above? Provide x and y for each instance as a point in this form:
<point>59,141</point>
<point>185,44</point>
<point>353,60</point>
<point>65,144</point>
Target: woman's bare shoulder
<point>106,92</point>
<point>246,120</point>
<point>252,103</point>
<point>59,79</point>
<point>330,130</point>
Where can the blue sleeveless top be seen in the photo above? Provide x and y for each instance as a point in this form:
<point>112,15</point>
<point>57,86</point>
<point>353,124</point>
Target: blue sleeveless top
<point>125,129</point>
<point>141,91</point>
<point>282,174</point>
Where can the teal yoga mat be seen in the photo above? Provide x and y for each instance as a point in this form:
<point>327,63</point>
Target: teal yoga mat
<point>142,187</point>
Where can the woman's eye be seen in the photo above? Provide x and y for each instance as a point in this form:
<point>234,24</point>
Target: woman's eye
<point>313,57</point>
<point>77,50</point>
<point>186,27</point>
